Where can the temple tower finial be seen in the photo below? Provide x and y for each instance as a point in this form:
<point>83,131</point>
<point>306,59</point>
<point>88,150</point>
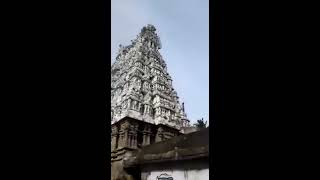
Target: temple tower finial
<point>183,107</point>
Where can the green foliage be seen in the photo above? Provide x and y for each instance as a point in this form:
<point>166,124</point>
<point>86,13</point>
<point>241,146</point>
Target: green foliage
<point>200,123</point>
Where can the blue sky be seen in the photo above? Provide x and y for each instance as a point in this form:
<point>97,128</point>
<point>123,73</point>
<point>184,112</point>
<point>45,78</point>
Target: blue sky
<point>183,27</point>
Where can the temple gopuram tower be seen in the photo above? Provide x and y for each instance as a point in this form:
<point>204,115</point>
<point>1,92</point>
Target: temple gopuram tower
<point>145,108</point>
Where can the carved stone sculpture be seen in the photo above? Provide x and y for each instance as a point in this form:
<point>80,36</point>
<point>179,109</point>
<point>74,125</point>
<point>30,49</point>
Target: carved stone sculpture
<point>140,81</point>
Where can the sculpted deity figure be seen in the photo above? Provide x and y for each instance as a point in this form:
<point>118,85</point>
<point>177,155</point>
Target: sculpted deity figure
<point>145,85</point>
<point>162,112</point>
<point>119,98</point>
<point>134,88</point>
<point>138,106</point>
<point>124,105</point>
<point>147,98</point>
<point>147,109</point>
<point>140,95</point>
<point>158,111</point>
<point>138,84</point>
<point>147,69</point>
<point>156,100</point>
<point>168,113</point>
<point>134,78</point>
<point>129,103</point>
<point>118,112</point>
<point>178,107</point>
<point>173,116</point>
<point>134,105</point>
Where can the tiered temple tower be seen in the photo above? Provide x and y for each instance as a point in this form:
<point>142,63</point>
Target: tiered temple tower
<point>144,106</point>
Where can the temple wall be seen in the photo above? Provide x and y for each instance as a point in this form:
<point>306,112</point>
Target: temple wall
<point>130,134</point>
<point>176,174</point>
<point>178,170</point>
<point>201,174</point>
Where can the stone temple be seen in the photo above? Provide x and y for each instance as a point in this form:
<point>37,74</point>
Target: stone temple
<point>145,108</point>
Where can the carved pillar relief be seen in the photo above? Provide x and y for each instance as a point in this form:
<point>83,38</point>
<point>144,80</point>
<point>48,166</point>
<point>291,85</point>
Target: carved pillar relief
<point>139,106</point>
<point>128,135</point>
<point>146,135</point>
<point>146,109</point>
<point>159,135</point>
<point>132,135</point>
<point>129,104</point>
<point>134,105</point>
<point>123,135</point>
<point>114,138</point>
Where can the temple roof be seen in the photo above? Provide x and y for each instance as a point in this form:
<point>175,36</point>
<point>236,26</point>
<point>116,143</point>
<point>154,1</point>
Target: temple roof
<point>185,147</point>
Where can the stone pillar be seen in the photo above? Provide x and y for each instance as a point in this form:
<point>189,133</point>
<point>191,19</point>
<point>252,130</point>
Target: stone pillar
<point>146,135</point>
<point>114,138</point>
<point>130,139</point>
<point>146,109</point>
<point>159,135</point>
<point>139,106</point>
<point>121,139</point>
<point>133,132</point>
<point>129,104</point>
<point>128,134</point>
<point>134,142</point>
<point>123,135</point>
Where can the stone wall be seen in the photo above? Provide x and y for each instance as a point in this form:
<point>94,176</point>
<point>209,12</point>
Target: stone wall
<point>128,135</point>
<point>177,174</point>
<point>178,170</point>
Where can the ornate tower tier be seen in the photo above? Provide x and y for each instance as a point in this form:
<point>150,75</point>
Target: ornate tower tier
<point>141,87</point>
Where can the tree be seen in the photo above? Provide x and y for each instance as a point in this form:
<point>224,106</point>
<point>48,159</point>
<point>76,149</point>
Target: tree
<point>200,123</point>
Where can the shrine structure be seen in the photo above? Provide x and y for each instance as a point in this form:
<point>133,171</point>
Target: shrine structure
<point>145,108</point>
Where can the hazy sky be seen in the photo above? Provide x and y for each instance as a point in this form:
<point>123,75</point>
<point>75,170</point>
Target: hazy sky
<point>183,27</point>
